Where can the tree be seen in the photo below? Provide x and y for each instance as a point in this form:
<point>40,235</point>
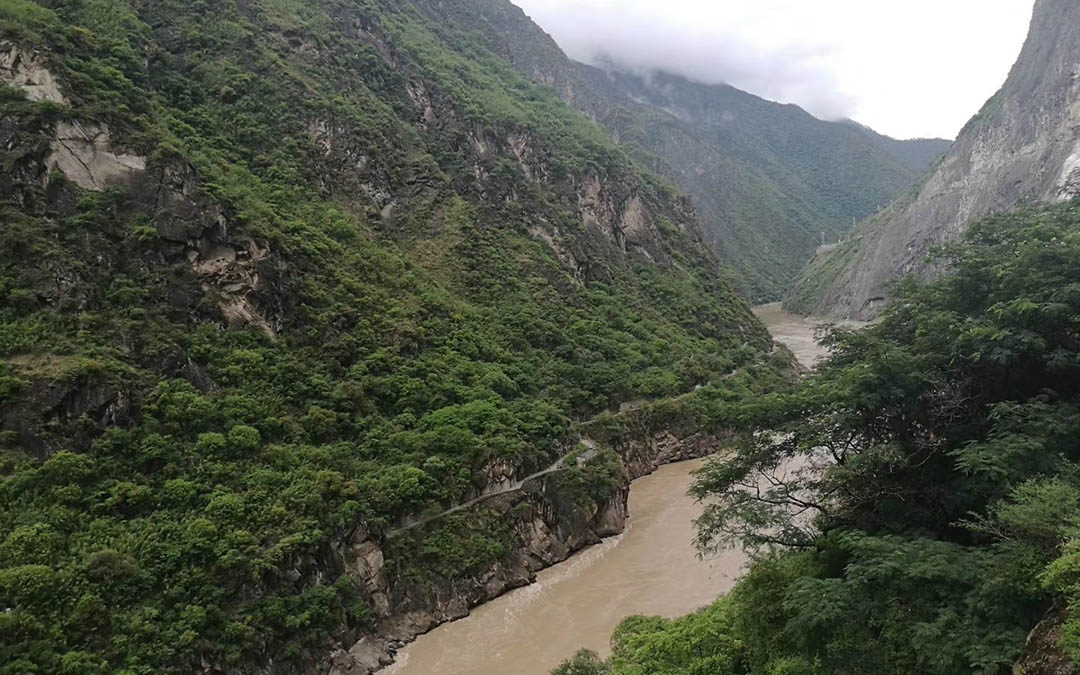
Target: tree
<point>585,662</point>
<point>927,473</point>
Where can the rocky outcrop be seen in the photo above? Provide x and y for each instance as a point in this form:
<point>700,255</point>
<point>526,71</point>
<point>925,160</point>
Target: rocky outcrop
<point>84,154</point>
<point>622,219</point>
<point>27,72</point>
<point>81,151</point>
<point>237,271</point>
<point>1024,146</point>
<point>63,401</point>
<point>1043,654</point>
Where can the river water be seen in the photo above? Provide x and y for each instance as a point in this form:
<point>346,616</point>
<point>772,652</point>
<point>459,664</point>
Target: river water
<point>795,332</point>
<point>651,569</point>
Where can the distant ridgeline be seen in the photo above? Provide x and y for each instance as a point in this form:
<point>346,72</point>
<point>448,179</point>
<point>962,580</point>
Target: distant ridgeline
<point>938,532</point>
<point>1023,147</point>
<point>277,276</point>
<point>768,181</point>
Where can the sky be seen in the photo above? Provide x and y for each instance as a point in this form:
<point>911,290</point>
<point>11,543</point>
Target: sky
<point>909,69</point>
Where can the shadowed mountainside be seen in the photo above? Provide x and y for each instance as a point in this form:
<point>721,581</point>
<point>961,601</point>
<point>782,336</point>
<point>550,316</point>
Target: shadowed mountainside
<point>1022,147</point>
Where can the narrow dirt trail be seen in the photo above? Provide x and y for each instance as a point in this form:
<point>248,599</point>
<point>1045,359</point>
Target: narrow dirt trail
<point>513,487</point>
<point>518,485</point>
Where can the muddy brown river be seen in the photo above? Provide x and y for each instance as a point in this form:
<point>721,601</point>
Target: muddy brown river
<point>651,569</point>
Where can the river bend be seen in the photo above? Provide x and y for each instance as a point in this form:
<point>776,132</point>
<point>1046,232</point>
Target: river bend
<point>652,569</point>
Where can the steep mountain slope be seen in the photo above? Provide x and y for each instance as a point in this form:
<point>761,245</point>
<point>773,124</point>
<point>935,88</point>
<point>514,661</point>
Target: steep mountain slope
<point>280,278</point>
<point>1023,146</point>
<point>917,154</point>
<point>767,180</point>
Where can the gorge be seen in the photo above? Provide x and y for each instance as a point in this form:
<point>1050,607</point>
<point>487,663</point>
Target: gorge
<point>326,323</point>
<point>1021,148</point>
<point>651,568</point>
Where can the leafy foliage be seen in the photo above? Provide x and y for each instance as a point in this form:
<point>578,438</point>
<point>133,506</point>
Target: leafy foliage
<point>321,310</point>
<point>914,502</point>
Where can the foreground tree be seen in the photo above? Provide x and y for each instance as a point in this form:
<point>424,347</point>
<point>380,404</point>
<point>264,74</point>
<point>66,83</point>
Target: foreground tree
<point>915,504</point>
<point>927,470</point>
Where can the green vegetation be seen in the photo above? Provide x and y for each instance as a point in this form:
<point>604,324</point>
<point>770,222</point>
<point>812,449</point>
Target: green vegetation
<point>820,275</point>
<point>768,180</point>
<point>322,308</point>
<point>704,643</point>
<point>928,501</point>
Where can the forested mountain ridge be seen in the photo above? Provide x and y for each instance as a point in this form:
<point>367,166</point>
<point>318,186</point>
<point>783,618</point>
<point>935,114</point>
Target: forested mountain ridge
<point>767,180</point>
<point>1022,147</point>
<point>281,277</point>
<point>918,154</point>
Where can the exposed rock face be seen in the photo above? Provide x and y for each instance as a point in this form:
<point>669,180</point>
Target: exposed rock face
<point>239,272</point>
<point>1043,654</point>
<point>623,220</point>
<point>1024,146</point>
<point>83,153</point>
<point>26,71</point>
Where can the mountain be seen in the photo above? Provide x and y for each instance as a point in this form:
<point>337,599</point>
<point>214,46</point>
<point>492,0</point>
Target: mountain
<point>768,181</point>
<point>917,154</point>
<point>1023,146</point>
<point>286,283</point>
<point>937,533</point>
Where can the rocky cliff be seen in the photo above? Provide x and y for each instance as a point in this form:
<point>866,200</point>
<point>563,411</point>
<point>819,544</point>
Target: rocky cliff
<point>1023,146</point>
<point>545,526</point>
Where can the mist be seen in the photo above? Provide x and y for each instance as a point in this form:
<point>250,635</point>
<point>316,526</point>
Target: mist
<point>915,69</point>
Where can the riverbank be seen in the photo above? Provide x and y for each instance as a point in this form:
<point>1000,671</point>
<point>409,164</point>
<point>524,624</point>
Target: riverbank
<point>652,568</point>
<point>544,523</point>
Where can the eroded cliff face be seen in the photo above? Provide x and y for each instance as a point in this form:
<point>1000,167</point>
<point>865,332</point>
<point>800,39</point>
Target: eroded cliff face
<point>547,529</point>
<point>25,70</point>
<point>1024,146</point>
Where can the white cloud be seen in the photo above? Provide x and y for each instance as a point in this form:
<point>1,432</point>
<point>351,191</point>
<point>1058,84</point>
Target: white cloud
<point>916,68</point>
